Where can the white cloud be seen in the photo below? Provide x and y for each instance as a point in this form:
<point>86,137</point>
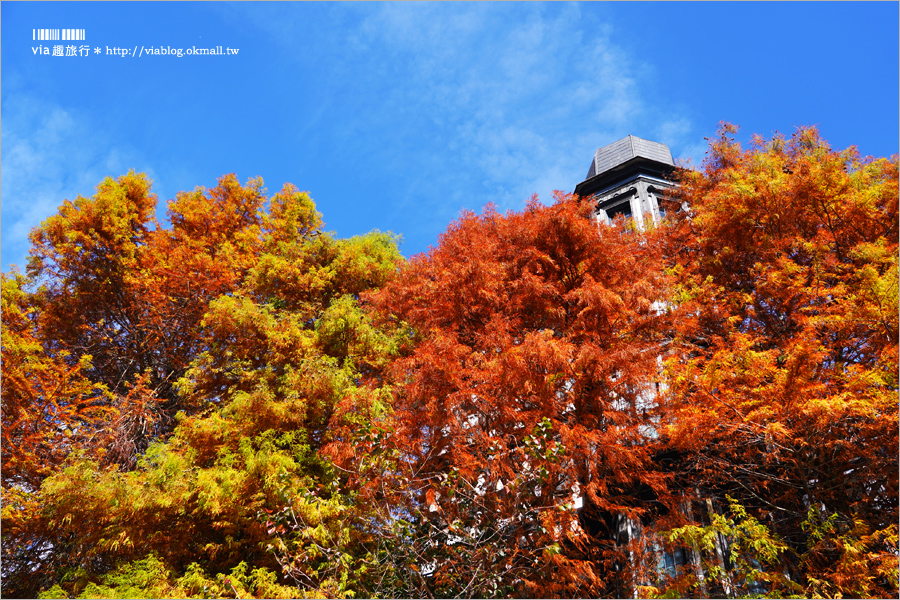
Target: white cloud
<point>49,155</point>
<point>678,134</point>
<point>464,104</point>
<point>528,93</point>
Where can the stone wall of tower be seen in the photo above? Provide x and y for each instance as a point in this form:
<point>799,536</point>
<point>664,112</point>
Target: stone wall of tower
<point>639,200</point>
<point>627,178</point>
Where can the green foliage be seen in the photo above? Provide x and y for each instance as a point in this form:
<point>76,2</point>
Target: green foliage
<point>150,578</point>
<point>743,558</point>
<point>146,578</point>
<point>739,555</point>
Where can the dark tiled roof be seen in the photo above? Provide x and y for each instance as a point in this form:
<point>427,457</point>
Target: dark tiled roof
<point>624,150</point>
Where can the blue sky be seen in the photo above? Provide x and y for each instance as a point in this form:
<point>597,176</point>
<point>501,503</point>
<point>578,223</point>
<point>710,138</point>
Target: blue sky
<point>397,116</point>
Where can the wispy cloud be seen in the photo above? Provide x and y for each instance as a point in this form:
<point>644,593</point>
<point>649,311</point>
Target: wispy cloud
<point>490,102</point>
<point>435,107</point>
<point>522,94</point>
<point>49,154</point>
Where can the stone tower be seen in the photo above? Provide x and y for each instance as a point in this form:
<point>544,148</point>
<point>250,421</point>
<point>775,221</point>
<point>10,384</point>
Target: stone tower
<point>627,178</point>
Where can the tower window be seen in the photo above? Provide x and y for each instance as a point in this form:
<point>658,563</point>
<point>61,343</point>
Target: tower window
<point>623,209</point>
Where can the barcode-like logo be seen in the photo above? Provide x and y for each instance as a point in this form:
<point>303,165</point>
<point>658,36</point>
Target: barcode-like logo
<point>57,34</point>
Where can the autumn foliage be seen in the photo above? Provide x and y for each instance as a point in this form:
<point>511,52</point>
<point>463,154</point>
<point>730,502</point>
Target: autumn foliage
<point>786,270</point>
<point>171,387</point>
<point>237,404</point>
<point>528,381</point>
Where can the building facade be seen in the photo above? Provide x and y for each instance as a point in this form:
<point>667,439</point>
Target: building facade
<point>627,178</point>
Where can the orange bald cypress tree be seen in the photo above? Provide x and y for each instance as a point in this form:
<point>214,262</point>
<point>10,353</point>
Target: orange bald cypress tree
<point>783,381</point>
<point>538,406</point>
<point>50,408</point>
<point>118,287</point>
<point>527,388</point>
<point>172,389</point>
